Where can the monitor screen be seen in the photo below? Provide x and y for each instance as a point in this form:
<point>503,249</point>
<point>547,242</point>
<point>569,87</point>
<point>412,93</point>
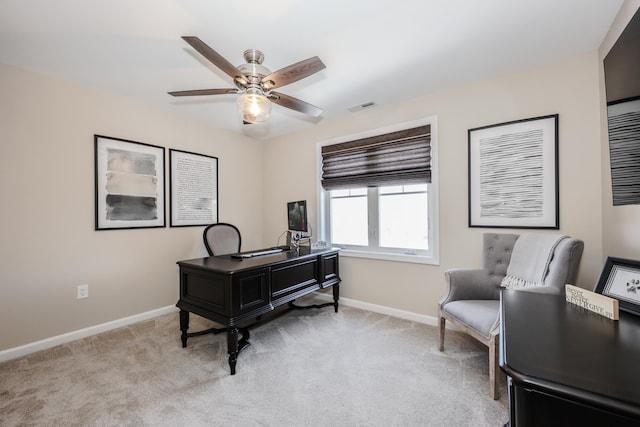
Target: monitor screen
<point>297,216</point>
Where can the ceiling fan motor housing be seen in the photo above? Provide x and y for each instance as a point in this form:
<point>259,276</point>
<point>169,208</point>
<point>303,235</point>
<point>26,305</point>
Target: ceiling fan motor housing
<point>253,69</point>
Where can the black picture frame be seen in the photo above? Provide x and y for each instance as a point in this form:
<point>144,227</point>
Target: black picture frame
<point>513,174</point>
<point>623,120</point>
<point>193,189</point>
<point>620,279</point>
<point>129,184</point>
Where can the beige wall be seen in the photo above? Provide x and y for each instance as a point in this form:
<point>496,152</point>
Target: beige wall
<point>621,224</point>
<point>569,88</point>
<point>49,245</point>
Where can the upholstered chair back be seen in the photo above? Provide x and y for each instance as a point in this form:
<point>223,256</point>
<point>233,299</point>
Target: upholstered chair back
<point>496,254</point>
<point>222,239</point>
<point>564,265</point>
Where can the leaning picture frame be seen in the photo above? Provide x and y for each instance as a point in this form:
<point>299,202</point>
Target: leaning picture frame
<point>513,174</point>
<point>129,184</point>
<point>620,279</point>
<point>193,189</point>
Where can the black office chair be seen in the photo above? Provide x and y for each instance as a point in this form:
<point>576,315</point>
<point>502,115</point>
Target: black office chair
<point>222,239</point>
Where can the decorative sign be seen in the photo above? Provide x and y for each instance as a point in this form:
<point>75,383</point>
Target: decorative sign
<point>604,306</point>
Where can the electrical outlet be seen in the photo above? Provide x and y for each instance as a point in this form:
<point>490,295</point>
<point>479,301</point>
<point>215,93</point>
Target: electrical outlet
<point>83,291</point>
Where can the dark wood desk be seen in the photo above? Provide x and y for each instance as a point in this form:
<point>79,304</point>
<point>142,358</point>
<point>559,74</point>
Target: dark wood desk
<point>567,366</point>
<point>234,292</point>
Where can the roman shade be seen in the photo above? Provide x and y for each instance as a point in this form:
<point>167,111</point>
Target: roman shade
<point>401,157</point>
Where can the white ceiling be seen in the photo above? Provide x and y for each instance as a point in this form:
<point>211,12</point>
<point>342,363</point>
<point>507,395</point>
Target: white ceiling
<point>375,50</point>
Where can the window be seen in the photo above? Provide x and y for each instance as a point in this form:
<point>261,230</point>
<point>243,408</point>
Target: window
<point>385,215</point>
<point>403,217</point>
<point>393,219</point>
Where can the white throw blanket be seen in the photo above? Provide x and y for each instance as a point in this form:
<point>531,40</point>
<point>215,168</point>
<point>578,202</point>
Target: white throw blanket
<point>530,260</point>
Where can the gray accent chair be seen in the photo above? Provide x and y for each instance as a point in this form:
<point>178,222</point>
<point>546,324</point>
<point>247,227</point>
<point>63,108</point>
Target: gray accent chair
<point>473,301</point>
<point>222,239</point>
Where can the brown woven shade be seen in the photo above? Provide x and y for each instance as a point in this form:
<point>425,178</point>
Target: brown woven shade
<point>402,157</point>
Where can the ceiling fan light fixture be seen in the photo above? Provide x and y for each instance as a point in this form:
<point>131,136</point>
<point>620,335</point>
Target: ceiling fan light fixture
<point>254,83</point>
<point>253,106</point>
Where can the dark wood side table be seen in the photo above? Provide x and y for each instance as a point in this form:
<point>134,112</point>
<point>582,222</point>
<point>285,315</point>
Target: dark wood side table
<point>567,366</point>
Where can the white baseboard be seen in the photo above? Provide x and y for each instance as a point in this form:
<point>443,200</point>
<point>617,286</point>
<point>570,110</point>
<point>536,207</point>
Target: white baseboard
<point>394,312</point>
<point>44,344</point>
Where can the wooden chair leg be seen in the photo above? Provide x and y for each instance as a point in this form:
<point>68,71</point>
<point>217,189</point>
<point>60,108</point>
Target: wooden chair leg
<point>442,325</point>
<point>493,367</point>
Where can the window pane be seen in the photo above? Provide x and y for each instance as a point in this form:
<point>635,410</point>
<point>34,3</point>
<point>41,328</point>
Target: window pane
<point>340,193</point>
<point>404,188</point>
<point>349,221</point>
<point>416,187</point>
<point>404,221</point>
<point>390,189</point>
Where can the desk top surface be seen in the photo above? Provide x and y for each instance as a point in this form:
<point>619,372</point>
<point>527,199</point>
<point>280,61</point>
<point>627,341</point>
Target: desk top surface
<point>558,347</point>
<point>227,264</point>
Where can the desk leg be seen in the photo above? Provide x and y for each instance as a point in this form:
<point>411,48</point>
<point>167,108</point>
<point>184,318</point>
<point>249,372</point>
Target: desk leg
<point>235,346</point>
<point>336,296</point>
<point>184,326</point>
<point>232,347</point>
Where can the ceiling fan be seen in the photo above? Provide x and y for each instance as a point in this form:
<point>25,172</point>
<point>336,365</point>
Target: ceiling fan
<point>255,83</point>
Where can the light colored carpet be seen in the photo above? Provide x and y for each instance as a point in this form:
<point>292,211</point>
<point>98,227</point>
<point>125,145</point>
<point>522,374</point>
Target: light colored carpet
<point>306,368</point>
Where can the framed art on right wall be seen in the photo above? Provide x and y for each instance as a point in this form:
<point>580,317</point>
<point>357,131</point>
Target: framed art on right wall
<point>624,147</point>
<point>513,174</point>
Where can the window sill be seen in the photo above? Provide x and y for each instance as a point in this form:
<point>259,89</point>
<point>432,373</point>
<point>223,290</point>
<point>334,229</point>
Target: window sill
<point>415,259</point>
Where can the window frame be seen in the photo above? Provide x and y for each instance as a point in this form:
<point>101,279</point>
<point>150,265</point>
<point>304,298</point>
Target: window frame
<point>324,201</point>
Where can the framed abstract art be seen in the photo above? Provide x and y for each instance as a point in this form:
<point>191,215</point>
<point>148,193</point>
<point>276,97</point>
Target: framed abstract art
<point>513,174</point>
<point>129,184</point>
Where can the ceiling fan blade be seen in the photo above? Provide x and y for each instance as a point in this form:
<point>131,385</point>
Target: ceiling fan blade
<point>295,104</point>
<point>199,92</point>
<point>216,59</point>
<point>293,73</point>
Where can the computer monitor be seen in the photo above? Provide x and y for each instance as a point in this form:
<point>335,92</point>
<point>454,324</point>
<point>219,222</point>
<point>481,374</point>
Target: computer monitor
<point>297,216</point>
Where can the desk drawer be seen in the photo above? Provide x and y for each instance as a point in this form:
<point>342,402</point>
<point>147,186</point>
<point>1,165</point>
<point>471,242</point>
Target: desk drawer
<point>329,273</point>
<point>289,278</point>
<point>203,290</point>
<point>250,291</point>
<point>222,294</point>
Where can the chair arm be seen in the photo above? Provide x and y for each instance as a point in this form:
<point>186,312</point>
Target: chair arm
<point>465,283</point>
<point>552,290</point>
